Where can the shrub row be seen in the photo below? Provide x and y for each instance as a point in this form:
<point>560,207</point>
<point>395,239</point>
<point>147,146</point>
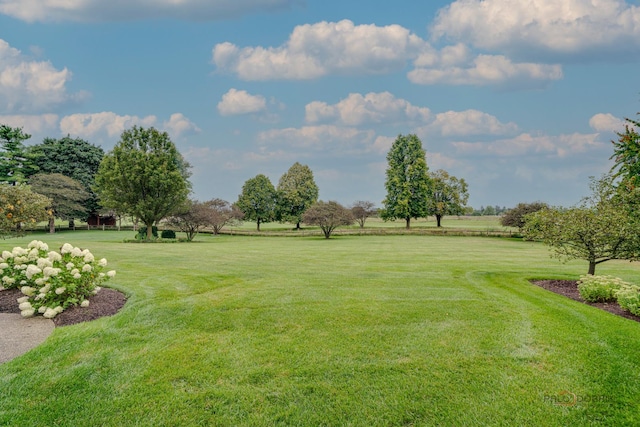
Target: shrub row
<point>608,288</point>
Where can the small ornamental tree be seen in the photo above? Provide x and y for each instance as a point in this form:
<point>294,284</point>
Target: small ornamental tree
<point>67,196</point>
<point>223,213</point>
<point>193,217</point>
<point>515,217</point>
<point>295,193</point>
<point>448,195</point>
<point>407,181</point>
<point>258,200</point>
<point>328,216</point>
<point>599,229</point>
<point>361,210</point>
<point>145,176</point>
<point>19,205</point>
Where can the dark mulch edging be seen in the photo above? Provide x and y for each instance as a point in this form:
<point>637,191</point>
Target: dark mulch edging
<point>106,302</point>
<point>569,288</point>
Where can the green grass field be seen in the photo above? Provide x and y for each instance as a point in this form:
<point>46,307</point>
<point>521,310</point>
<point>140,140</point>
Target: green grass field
<point>356,331</point>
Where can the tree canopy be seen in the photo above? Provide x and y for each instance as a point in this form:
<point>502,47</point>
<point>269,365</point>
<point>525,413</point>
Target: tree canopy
<point>328,216</point>
<point>515,217</point>
<point>144,176</point>
<point>626,153</point>
<point>20,205</point>
<point>72,157</point>
<point>258,200</point>
<point>16,163</point>
<point>600,228</point>
<point>448,195</point>
<point>296,191</point>
<point>407,181</point>
<point>67,196</point>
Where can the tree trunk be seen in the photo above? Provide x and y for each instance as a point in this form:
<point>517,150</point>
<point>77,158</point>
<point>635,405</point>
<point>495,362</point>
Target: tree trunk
<point>408,220</point>
<point>72,224</point>
<point>52,225</point>
<point>438,218</point>
<point>258,222</point>
<point>298,226</point>
<point>592,268</point>
<point>149,231</point>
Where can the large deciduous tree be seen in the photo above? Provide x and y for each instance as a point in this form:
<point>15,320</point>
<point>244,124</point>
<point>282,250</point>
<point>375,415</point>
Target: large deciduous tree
<point>448,195</point>
<point>328,216</point>
<point>600,228</point>
<point>16,163</point>
<point>295,193</point>
<point>19,205</point>
<point>361,210</point>
<point>72,157</point>
<point>626,153</point>
<point>258,200</point>
<point>67,196</point>
<point>144,176</point>
<point>407,180</point>
<point>515,217</point>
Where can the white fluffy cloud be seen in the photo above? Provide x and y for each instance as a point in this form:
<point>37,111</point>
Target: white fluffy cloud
<point>178,125</point>
<point>101,10</point>
<point>315,50</point>
<point>236,102</point>
<point>357,109</point>
<point>32,123</point>
<point>31,86</point>
<point>553,26</point>
<point>606,123</point>
<point>469,122</point>
<point>88,125</point>
<point>325,137</point>
<point>556,146</point>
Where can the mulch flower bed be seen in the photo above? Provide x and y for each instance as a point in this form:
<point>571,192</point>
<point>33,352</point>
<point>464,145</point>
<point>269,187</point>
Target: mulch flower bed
<point>569,288</point>
<point>106,302</point>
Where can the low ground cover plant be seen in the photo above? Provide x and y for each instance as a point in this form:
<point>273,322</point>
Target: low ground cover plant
<point>628,297</point>
<point>52,281</point>
<point>599,288</point>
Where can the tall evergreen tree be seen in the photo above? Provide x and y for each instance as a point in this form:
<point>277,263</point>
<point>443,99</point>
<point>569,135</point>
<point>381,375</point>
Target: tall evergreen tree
<point>16,163</point>
<point>407,181</point>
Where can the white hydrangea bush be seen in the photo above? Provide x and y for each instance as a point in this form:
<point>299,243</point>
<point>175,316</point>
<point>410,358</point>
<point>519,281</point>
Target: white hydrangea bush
<point>52,281</point>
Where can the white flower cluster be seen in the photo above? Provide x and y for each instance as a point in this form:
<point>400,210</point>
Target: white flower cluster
<point>52,281</point>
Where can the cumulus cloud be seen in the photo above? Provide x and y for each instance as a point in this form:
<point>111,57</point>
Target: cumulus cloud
<point>31,86</point>
<point>606,123</point>
<point>524,27</point>
<point>316,50</point>
<point>319,137</point>
<point>178,125</point>
<point>357,109</point>
<point>555,146</point>
<point>482,70</point>
<point>89,125</point>
<point>469,122</point>
<point>236,102</point>
<point>32,123</point>
<point>100,10</point>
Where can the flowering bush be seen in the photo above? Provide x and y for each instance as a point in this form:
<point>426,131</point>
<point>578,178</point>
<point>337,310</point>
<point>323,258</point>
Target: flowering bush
<point>49,280</point>
<point>599,288</point>
<point>629,298</point>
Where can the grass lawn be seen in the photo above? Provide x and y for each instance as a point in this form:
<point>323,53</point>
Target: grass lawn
<point>356,330</point>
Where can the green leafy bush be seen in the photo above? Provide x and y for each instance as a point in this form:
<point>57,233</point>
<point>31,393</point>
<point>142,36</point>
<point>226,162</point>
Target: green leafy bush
<point>142,232</point>
<point>50,280</point>
<point>599,288</point>
<point>629,298</point>
<point>168,234</point>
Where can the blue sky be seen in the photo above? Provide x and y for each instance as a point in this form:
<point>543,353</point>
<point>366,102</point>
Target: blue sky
<point>520,97</point>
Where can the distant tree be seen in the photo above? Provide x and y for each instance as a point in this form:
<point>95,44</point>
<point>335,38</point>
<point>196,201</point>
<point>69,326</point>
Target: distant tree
<point>361,210</point>
<point>448,195</point>
<point>16,163</point>
<point>626,153</point>
<point>258,200</point>
<point>72,157</point>
<point>144,175</point>
<point>407,182</point>
<point>296,191</point>
<point>515,217</point>
<point>489,211</point>
<point>67,196</point>
<point>191,218</point>
<point>328,216</point>
<point>19,206</point>
<point>598,229</point>
<point>222,213</point>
